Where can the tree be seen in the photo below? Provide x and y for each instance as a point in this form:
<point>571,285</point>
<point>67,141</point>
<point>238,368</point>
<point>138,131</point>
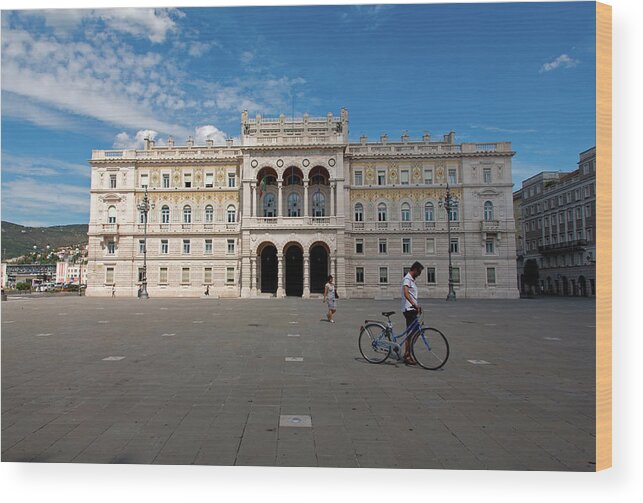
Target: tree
<point>531,275</point>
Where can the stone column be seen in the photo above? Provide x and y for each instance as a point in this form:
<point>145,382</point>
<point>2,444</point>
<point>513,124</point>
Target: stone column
<point>333,185</point>
<point>280,271</point>
<point>306,198</point>
<point>279,207</point>
<point>246,277</point>
<point>306,294</point>
<point>253,195</point>
<point>253,274</point>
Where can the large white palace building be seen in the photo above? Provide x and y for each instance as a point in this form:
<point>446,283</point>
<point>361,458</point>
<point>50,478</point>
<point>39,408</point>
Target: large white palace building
<point>295,202</point>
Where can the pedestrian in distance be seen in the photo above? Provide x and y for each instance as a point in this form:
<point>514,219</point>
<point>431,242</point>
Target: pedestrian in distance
<point>113,291</point>
<point>207,290</point>
<point>410,306</point>
<point>330,295</point>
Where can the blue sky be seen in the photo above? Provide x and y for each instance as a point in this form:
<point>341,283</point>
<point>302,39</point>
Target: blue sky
<point>77,80</point>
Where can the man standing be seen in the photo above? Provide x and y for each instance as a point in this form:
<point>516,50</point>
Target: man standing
<point>410,306</point>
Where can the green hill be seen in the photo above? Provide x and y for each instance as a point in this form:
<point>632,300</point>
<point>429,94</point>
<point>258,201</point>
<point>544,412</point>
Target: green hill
<point>18,240</point>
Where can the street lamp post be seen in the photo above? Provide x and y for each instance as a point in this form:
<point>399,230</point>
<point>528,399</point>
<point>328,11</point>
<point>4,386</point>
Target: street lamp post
<point>449,203</point>
<point>145,207</point>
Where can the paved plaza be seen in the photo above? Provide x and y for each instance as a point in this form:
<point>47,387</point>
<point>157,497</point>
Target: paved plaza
<point>264,382</point>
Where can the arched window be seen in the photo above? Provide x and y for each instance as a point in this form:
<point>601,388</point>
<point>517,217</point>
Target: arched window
<point>294,205</point>
<point>142,217</point>
<point>488,211</point>
<point>406,212</point>
<point>165,215</point>
<point>453,214</point>
<point>187,214</point>
<point>111,215</point>
<point>429,212</point>
<point>319,205</point>
<point>209,214</point>
<point>381,212</point>
<point>232,214</point>
<point>359,212</point>
<point>269,206</point>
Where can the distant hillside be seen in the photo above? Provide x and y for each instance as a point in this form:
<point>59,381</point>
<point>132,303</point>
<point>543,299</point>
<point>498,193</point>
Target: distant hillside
<point>18,240</point>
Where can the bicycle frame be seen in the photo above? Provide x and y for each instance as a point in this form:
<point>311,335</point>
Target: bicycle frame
<point>415,327</point>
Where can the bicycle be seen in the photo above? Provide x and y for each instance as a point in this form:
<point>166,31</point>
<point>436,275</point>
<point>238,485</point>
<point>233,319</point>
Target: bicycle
<point>429,346</point>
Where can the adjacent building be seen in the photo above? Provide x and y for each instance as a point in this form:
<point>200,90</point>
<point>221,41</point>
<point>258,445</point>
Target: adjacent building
<point>558,220</point>
<point>294,202</point>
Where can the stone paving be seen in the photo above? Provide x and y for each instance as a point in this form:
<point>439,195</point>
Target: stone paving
<point>211,382</point>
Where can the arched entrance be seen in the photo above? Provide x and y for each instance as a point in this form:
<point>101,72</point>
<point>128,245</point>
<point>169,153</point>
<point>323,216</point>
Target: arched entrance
<point>582,286</point>
<point>318,268</point>
<point>294,258</point>
<point>565,286</point>
<point>268,270</point>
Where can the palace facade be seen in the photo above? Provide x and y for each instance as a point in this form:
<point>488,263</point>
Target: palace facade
<point>294,202</point>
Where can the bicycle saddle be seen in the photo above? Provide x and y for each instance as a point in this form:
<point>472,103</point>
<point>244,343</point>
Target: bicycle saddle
<point>388,313</point>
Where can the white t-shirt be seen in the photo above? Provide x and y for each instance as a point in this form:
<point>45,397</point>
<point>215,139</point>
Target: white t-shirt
<point>413,292</point>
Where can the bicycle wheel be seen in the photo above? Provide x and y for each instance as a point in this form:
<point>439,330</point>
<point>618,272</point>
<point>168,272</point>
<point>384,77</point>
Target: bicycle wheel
<point>430,349</point>
<point>373,343</point>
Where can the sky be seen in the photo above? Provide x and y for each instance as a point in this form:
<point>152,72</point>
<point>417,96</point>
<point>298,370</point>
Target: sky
<point>76,80</point>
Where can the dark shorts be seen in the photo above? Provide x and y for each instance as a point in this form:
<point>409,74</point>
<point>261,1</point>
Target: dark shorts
<point>410,316</point>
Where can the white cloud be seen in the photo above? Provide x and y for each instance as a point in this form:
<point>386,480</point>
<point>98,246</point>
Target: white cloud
<point>209,132</point>
<point>19,107</point>
<point>563,61</point>
<point>31,200</point>
<point>494,129</point>
<point>247,57</point>
<point>198,49</point>
<point>42,166</point>
<point>125,142</point>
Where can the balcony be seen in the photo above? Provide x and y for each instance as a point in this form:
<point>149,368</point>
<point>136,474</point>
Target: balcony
<point>289,222</point>
<point>490,226</point>
<point>403,226</point>
<point>109,229</point>
<point>566,247</point>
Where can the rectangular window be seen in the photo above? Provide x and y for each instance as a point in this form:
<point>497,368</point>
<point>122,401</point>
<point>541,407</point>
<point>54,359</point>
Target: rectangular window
<point>406,246</point>
<point>359,275</point>
<point>186,246</point>
<point>588,210</point>
<point>141,246</point>
<point>455,245</point>
<point>576,194</point>
<point>430,275</point>
<point>232,179</point>
<point>165,247</point>
<point>166,180</point>
<point>230,246</point>
<point>109,275</point>
<point>404,177</point>
<point>486,175</point>
<point>382,245</point>
<point>381,177</point>
<point>586,191</point>
<point>163,276</point>
<point>578,213</point>
<point>209,180</point>
<point>568,197</point>
<point>141,274</point>
<point>358,178</point>
<point>359,246</point>
<point>112,181</point>
<point>455,274</point>
<point>453,179</point>
<point>588,232</point>
<point>383,275</point>
<point>428,176</point>
<point>144,181</point>
<point>207,275</point>
<point>229,275</point>
<point>430,246</point>
<point>560,200</point>
<point>111,247</point>
<point>185,275</point>
<point>207,248</point>
<point>187,180</point>
<point>489,246</point>
<point>491,275</point>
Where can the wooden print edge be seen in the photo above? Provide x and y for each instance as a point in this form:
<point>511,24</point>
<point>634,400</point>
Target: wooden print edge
<point>604,236</point>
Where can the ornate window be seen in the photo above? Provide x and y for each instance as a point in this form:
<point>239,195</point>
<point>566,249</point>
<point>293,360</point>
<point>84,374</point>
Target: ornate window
<point>319,205</point>
<point>294,205</point>
<point>187,214</point>
<point>165,215</point>
<point>269,206</point>
<point>232,214</point>
<point>488,211</point>
<point>111,215</point>
<point>209,214</point>
<point>429,212</point>
<point>406,212</point>
<point>381,212</point>
<point>359,212</point>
